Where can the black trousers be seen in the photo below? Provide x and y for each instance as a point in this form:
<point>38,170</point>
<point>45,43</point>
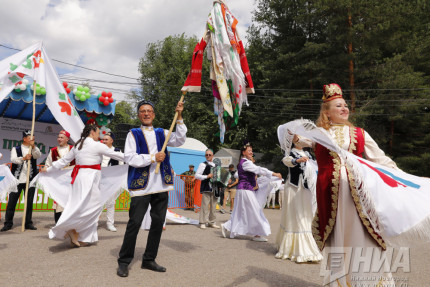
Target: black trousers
<point>138,207</point>
<point>13,200</point>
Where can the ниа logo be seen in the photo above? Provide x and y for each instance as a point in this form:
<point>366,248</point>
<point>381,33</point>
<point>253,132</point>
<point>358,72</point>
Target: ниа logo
<point>363,263</point>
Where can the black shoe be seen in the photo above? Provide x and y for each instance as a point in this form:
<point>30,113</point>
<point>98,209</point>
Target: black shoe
<point>122,270</point>
<point>152,265</point>
<point>31,227</point>
<point>6,228</point>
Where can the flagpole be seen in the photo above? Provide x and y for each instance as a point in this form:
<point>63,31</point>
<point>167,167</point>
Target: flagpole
<point>29,160</point>
<point>157,169</point>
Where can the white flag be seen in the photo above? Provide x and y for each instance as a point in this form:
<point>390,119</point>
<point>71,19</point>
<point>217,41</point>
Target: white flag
<point>35,63</point>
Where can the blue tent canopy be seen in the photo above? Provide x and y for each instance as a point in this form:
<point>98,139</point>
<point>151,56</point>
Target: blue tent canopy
<point>18,105</point>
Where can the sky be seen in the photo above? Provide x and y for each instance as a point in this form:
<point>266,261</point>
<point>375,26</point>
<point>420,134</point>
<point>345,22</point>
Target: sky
<point>105,35</point>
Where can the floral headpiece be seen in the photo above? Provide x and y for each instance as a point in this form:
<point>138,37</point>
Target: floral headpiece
<point>246,144</point>
<point>331,92</point>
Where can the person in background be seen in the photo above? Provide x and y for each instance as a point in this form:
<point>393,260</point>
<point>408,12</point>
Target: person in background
<point>189,180</point>
<point>208,205</point>
<point>55,154</point>
<point>108,139</point>
<point>19,157</point>
<point>230,191</point>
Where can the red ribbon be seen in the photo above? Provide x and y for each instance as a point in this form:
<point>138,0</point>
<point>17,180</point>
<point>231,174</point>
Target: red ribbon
<point>77,167</point>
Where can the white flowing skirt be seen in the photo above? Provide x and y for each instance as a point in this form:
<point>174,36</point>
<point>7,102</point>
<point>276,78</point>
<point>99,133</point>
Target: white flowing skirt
<point>247,217</point>
<point>294,239</point>
<point>83,208</point>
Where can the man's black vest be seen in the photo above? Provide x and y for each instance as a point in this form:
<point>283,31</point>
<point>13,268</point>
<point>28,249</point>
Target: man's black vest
<point>17,168</point>
<point>114,161</point>
<point>205,185</point>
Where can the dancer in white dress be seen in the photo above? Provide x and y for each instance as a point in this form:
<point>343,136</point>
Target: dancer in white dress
<point>294,239</point>
<point>81,213</point>
<point>248,217</point>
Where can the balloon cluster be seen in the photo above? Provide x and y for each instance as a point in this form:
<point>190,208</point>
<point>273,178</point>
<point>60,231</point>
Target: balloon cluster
<point>102,120</point>
<point>65,85</point>
<point>82,93</point>
<point>105,98</point>
<point>21,85</point>
<point>39,89</point>
<point>98,119</point>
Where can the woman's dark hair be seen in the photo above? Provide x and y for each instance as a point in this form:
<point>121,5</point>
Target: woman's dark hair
<point>85,133</point>
<point>244,147</point>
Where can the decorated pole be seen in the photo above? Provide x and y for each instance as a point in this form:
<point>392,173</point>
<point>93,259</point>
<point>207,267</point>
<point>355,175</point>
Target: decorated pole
<point>29,160</point>
<point>157,169</point>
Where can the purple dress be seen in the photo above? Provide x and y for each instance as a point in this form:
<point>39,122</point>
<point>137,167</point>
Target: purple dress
<point>248,217</point>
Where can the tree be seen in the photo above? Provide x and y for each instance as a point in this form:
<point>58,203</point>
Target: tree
<point>374,49</point>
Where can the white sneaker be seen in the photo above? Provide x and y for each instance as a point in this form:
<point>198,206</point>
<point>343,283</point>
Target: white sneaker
<point>259,239</point>
<point>213,225</point>
<point>110,227</point>
<point>203,226</point>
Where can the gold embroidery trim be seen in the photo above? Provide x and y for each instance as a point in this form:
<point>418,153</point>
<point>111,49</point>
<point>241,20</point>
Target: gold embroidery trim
<point>353,138</point>
<point>334,204</point>
<point>359,208</point>
<point>338,135</point>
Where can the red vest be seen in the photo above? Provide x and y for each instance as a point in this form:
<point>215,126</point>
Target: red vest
<point>56,156</point>
<point>327,190</point>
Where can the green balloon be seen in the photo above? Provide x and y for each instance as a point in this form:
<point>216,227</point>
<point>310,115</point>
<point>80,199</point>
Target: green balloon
<point>88,95</point>
<point>82,98</point>
<point>78,93</point>
<point>43,91</point>
<point>38,90</point>
<point>86,89</point>
<point>79,88</point>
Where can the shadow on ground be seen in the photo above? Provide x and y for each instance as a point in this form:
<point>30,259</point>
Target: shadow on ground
<point>270,278</point>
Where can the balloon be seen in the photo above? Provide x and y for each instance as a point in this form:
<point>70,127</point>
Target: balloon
<point>110,100</point>
<point>109,95</point>
<point>65,85</point>
<point>104,94</point>
<point>79,88</point>
<point>106,102</point>
<point>86,89</point>
<point>78,93</point>
<point>43,91</point>
<point>68,90</point>
<point>87,95</point>
<point>102,99</point>
<point>82,98</point>
<point>38,90</point>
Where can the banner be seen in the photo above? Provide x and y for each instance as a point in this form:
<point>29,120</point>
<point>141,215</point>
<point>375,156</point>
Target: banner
<point>35,63</point>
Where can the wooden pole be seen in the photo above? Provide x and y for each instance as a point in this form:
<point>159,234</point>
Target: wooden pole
<point>157,169</point>
<point>29,160</point>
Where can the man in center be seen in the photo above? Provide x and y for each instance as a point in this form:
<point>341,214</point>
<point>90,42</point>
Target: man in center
<point>142,153</point>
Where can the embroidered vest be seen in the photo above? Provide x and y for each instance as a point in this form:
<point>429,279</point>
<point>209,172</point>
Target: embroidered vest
<point>247,179</point>
<point>56,155</point>
<point>17,168</point>
<point>327,189</point>
<point>138,176</point>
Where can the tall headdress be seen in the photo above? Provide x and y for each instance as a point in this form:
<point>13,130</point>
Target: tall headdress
<point>331,92</point>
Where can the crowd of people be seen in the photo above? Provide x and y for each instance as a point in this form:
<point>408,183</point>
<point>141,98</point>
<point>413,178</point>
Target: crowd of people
<point>318,199</point>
